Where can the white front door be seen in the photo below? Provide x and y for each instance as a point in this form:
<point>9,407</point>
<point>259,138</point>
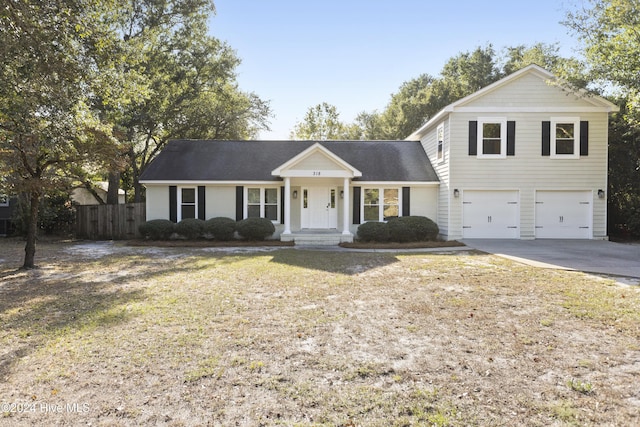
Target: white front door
<point>319,207</point>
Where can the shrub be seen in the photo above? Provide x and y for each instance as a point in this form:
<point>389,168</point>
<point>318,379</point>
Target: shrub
<point>400,231</point>
<point>373,231</point>
<point>157,229</point>
<point>191,228</point>
<point>412,229</point>
<point>255,228</point>
<point>221,228</point>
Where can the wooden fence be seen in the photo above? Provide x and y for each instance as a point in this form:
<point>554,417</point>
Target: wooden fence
<point>109,222</point>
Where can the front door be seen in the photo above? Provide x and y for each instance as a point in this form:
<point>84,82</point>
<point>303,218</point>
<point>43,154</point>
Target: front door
<point>319,207</point>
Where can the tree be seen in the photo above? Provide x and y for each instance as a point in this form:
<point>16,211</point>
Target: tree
<point>609,33</point>
<point>188,79</point>
<point>321,123</point>
<point>49,51</point>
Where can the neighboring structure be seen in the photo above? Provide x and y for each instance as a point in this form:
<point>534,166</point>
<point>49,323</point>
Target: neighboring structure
<point>7,207</point>
<point>82,196</point>
<point>521,158</point>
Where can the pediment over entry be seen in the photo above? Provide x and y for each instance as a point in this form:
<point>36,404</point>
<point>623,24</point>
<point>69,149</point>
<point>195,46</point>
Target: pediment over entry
<point>316,161</point>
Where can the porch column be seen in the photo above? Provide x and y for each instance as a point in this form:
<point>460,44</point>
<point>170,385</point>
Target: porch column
<point>346,203</point>
<point>287,205</point>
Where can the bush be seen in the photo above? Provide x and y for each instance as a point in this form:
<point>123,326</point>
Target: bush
<point>157,229</point>
<point>373,231</point>
<point>221,228</point>
<point>412,229</point>
<point>255,228</point>
<point>191,228</point>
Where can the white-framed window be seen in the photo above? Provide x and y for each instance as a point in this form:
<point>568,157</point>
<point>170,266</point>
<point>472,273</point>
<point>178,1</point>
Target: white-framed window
<point>187,203</point>
<point>565,137</point>
<point>4,200</point>
<point>380,204</point>
<point>262,202</point>
<point>440,142</point>
<point>492,137</point>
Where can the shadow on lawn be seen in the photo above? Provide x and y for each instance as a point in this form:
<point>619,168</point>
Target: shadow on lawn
<point>348,263</point>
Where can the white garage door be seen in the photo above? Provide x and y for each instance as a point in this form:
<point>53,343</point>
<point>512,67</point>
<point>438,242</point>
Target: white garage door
<point>490,215</point>
<point>563,214</point>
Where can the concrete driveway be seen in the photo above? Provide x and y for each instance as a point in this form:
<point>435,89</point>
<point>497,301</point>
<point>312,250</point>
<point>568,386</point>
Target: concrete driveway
<point>591,256</point>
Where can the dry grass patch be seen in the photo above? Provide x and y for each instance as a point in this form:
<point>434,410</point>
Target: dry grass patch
<point>196,336</point>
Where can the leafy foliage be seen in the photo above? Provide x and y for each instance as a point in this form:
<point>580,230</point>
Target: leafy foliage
<point>412,229</point>
<point>157,229</point>
<point>373,231</point>
<point>191,228</point>
<point>321,123</point>
<point>255,228</point>
<point>221,228</point>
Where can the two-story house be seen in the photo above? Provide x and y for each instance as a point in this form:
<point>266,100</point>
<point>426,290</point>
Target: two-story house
<point>523,158</point>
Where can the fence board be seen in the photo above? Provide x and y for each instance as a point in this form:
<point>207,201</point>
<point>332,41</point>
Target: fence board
<point>109,222</point>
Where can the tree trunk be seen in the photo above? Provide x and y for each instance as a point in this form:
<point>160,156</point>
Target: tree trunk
<point>32,230</point>
<point>137,189</point>
<point>114,186</point>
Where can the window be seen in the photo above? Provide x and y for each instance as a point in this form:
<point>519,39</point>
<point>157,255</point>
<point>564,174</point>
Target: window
<point>4,200</point>
<point>262,203</point>
<point>565,137</point>
<point>492,141</point>
<point>440,137</point>
<point>377,208</point>
<point>187,203</point>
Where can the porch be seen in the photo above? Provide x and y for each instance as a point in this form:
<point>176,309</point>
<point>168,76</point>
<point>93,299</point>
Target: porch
<point>317,237</point>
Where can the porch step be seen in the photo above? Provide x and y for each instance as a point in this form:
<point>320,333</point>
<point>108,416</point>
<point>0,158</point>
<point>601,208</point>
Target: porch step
<point>317,239</point>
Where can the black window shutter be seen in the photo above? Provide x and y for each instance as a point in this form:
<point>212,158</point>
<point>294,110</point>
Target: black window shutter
<point>511,138</point>
<point>356,205</point>
<point>473,138</point>
<point>406,201</point>
<point>239,203</point>
<point>281,205</point>
<point>546,138</point>
<point>173,203</point>
<point>201,202</point>
<point>584,138</point>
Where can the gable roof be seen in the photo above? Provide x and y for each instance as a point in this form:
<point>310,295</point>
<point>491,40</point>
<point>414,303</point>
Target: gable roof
<point>233,161</point>
<point>598,102</point>
<point>317,148</point>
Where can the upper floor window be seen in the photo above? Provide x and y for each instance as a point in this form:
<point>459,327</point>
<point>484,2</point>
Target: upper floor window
<point>492,137</point>
<point>565,137</point>
<point>440,147</point>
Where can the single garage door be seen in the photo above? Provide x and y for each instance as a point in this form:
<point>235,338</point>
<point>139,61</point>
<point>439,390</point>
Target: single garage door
<point>490,215</point>
<point>563,214</point>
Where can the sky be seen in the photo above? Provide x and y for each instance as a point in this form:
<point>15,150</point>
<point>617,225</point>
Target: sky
<point>355,54</point>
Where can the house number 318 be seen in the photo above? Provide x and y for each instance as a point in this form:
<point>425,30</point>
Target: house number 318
<point>316,173</point>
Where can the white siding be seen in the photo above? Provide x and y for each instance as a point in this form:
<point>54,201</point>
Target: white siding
<point>430,145</point>
<point>220,201</point>
<point>423,202</point>
<point>157,203</point>
<point>528,170</point>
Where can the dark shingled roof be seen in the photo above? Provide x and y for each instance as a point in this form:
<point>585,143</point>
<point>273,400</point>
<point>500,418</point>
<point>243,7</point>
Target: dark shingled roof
<point>212,160</point>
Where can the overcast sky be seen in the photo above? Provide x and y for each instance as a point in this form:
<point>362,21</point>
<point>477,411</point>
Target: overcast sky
<point>355,53</point>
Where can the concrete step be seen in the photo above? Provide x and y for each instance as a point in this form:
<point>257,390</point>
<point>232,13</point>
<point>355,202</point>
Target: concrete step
<point>319,239</point>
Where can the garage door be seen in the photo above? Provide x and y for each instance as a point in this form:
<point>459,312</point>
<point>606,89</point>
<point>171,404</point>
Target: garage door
<point>563,214</point>
<point>490,215</point>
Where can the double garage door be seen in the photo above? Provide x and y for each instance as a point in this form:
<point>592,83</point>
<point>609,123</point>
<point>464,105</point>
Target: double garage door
<point>496,214</point>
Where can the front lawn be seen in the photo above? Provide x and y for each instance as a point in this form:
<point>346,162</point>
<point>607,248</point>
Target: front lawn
<point>107,334</point>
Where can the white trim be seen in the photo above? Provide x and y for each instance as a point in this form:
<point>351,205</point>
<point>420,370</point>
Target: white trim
<point>502,121</point>
<point>245,202</point>
<point>179,201</point>
<point>395,183</point>
<point>550,109</point>
<point>576,137</point>
<point>348,172</point>
<point>440,148</point>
